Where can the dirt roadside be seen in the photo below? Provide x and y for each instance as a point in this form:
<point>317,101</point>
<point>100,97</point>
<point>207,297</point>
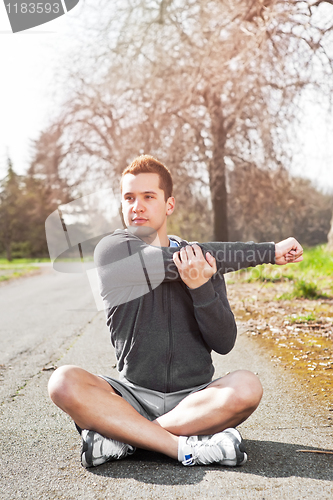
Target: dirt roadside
<point>297,333</point>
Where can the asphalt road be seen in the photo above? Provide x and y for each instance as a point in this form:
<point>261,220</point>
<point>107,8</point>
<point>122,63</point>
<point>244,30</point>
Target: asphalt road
<point>51,319</point>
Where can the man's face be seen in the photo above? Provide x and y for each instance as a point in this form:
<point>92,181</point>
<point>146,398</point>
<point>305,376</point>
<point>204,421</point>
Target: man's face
<point>143,202</point>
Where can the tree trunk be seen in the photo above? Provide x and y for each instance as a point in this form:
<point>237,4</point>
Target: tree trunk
<point>330,236</point>
<point>217,169</point>
<point>9,252</point>
<point>219,199</point>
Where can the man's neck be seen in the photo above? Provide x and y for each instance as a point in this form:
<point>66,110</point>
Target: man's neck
<point>152,237</point>
<point>160,241</point>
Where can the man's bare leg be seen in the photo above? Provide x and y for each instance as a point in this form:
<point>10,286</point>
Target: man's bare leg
<point>94,405</point>
<point>226,402</point>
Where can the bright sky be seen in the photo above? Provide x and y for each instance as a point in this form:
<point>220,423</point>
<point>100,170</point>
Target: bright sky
<point>315,145</point>
<point>28,61</point>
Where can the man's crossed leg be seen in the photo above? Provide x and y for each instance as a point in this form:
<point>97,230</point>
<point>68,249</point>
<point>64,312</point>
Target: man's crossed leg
<point>94,404</point>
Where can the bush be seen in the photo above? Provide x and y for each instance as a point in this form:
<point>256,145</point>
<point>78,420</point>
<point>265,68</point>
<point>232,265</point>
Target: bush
<point>21,250</point>
<point>306,289</point>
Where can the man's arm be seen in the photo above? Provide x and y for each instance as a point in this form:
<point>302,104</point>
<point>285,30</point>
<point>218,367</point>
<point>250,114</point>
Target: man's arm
<point>129,268</point>
<point>211,307</point>
<point>195,268</point>
<point>238,255</point>
<point>229,256</point>
<point>233,256</point>
<point>118,252</point>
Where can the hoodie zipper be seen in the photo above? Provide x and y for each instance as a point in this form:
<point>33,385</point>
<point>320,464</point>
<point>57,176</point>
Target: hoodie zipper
<point>170,354</point>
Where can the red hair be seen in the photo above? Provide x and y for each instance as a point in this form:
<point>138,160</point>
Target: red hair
<point>146,164</point>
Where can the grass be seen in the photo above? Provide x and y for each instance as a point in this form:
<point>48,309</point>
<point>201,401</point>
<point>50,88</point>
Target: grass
<point>6,264</point>
<point>14,273</point>
<point>307,290</point>
<point>312,278</point>
<point>16,268</point>
<point>301,318</point>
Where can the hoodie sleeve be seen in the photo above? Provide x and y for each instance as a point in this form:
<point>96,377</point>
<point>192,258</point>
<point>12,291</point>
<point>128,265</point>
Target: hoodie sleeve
<point>238,255</point>
<point>128,268</point>
<point>211,306</point>
<point>214,316</point>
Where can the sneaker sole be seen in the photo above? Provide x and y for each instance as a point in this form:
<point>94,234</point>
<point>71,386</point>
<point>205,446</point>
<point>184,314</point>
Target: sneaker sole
<point>241,455</point>
<point>88,442</point>
<point>87,449</point>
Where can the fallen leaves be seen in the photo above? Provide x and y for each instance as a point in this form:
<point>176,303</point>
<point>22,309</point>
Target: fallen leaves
<point>297,333</point>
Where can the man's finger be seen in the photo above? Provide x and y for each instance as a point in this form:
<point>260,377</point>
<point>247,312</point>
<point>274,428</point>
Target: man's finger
<point>183,254</point>
<point>211,261</point>
<point>196,249</point>
<point>190,250</point>
<point>209,258</point>
<point>294,258</point>
<point>176,258</point>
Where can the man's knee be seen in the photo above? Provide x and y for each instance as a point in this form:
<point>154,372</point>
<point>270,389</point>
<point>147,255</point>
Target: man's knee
<point>62,384</point>
<point>248,389</point>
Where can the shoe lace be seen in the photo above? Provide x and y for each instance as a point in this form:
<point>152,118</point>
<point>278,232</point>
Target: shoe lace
<point>204,452</point>
<point>208,453</point>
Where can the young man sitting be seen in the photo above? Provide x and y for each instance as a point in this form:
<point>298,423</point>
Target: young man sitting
<point>167,309</point>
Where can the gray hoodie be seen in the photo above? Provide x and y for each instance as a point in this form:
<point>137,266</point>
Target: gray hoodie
<point>163,332</point>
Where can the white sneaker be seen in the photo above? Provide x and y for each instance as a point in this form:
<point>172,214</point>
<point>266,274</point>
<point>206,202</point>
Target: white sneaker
<point>224,448</point>
<point>97,449</point>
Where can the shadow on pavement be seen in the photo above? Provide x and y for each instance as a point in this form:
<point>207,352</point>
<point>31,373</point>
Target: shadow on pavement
<point>266,458</point>
<point>275,459</point>
<point>152,468</point>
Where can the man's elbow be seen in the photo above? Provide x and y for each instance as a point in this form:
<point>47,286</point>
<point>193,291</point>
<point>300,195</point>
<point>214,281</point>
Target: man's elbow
<point>229,341</point>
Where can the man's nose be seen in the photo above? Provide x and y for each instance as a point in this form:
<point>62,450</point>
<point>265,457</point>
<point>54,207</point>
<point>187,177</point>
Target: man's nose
<point>138,206</point>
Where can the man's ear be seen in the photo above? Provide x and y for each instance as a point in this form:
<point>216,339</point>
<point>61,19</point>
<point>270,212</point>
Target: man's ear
<point>171,202</point>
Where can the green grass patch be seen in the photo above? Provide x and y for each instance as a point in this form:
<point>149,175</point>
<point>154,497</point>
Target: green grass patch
<point>295,318</point>
<point>306,289</point>
<point>312,278</point>
<point>17,268</point>
<point>263,273</point>
<point>4,263</point>
<point>318,261</point>
<point>9,274</point>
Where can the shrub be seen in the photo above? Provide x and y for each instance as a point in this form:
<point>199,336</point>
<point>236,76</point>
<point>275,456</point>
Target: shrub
<point>21,250</point>
<point>306,289</point>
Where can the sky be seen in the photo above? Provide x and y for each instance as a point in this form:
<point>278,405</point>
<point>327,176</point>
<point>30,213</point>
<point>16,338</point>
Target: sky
<point>28,66</point>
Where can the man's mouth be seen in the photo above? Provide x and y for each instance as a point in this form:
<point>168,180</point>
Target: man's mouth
<point>139,220</point>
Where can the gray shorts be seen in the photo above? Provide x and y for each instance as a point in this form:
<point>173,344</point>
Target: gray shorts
<point>150,404</point>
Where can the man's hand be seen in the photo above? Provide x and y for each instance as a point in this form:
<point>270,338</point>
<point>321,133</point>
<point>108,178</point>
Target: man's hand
<point>287,251</point>
<point>193,267</point>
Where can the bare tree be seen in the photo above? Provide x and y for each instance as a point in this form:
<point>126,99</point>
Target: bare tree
<point>48,164</point>
<point>330,236</point>
<point>11,210</point>
<point>204,85</point>
<point>270,204</point>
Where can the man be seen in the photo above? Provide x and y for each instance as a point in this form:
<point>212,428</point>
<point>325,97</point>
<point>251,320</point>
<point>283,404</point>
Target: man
<point>166,309</point>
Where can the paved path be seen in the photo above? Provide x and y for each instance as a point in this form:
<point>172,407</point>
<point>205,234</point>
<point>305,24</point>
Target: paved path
<point>51,319</point>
